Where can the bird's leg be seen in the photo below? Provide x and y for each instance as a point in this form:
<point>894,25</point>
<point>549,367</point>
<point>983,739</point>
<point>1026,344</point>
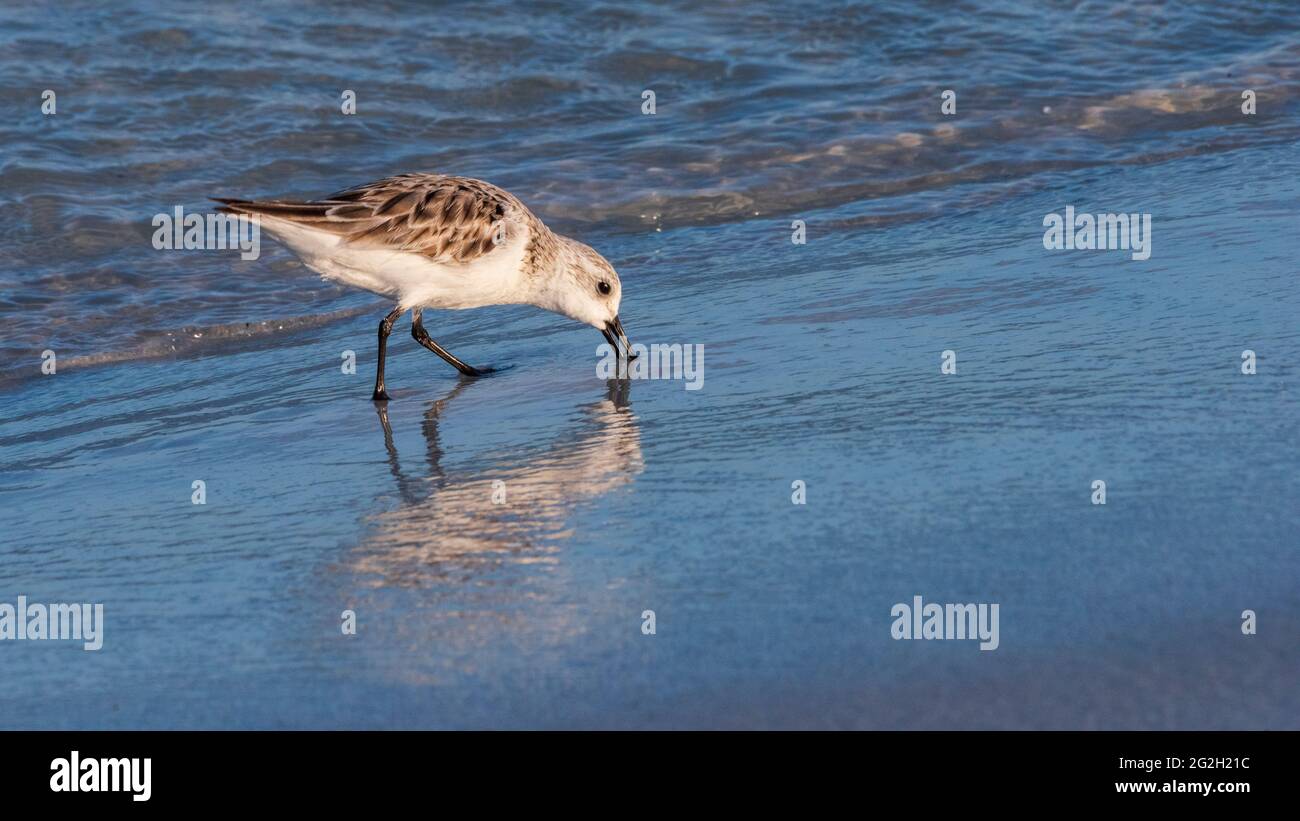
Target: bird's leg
<point>422,336</point>
<point>385,328</point>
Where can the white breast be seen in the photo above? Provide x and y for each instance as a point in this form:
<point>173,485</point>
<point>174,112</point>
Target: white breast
<point>496,278</point>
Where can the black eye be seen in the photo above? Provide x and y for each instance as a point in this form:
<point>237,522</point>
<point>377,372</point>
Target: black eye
<point>603,287</point>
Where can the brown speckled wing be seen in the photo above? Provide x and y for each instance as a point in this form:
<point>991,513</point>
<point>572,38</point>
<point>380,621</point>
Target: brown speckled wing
<point>444,218</point>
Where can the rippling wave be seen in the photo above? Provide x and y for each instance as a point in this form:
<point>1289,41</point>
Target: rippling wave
<point>763,110</point>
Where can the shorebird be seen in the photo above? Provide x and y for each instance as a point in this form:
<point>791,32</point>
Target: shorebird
<point>440,241</point>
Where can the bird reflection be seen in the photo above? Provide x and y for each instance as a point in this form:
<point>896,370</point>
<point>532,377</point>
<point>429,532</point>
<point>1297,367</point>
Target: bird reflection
<point>453,522</point>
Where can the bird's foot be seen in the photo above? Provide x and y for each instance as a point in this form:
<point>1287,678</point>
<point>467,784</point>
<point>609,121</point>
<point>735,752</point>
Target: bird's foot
<point>485,370</point>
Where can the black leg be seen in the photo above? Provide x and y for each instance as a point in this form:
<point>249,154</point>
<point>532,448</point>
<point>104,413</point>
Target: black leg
<point>422,336</point>
<point>385,328</point>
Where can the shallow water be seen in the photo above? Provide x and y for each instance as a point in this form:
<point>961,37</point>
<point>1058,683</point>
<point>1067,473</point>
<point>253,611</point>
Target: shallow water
<point>821,365</point>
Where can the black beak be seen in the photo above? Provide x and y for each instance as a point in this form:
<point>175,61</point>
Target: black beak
<point>614,334</point>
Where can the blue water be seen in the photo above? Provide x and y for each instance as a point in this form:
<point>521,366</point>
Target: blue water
<point>822,365</point>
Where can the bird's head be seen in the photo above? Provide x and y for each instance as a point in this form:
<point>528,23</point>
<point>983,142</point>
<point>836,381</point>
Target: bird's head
<point>585,287</point>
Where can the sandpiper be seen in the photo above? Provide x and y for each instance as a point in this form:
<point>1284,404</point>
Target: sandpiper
<point>440,241</point>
